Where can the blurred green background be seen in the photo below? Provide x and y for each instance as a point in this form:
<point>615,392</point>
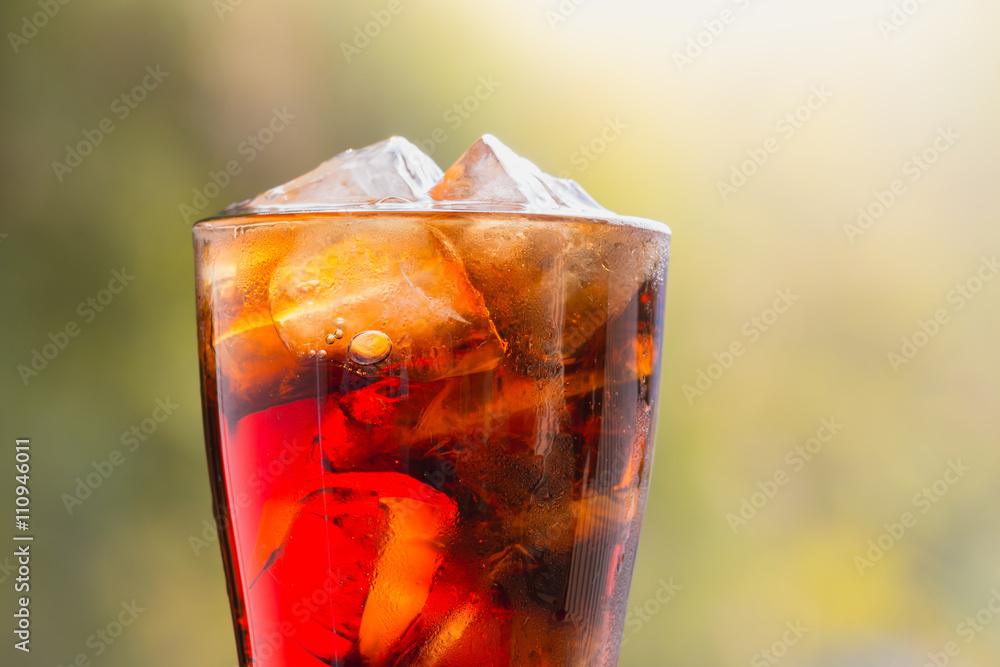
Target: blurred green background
<point>650,105</point>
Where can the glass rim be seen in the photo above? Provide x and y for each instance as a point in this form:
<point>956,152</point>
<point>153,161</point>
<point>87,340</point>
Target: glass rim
<point>223,220</point>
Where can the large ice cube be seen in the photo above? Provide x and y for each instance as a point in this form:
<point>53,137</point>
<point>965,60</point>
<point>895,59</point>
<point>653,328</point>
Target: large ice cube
<point>404,572</point>
<point>356,561</point>
<point>393,170</point>
<point>572,277</point>
<point>573,274</point>
<point>493,177</point>
<point>377,294</point>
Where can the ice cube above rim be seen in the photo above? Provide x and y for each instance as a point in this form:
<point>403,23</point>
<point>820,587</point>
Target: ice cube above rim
<point>395,175</point>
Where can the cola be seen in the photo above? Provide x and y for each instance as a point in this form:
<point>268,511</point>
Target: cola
<point>429,408</point>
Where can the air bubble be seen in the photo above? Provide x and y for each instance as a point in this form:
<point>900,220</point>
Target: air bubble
<point>369,347</point>
<point>338,334</point>
<point>330,338</point>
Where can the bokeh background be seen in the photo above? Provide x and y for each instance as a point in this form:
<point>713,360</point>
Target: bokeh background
<point>650,105</point>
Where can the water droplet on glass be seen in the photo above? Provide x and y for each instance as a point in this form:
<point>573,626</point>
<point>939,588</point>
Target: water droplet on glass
<point>369,347</point>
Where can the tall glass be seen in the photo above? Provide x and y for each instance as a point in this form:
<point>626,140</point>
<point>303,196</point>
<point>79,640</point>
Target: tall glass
<point>429,434</point>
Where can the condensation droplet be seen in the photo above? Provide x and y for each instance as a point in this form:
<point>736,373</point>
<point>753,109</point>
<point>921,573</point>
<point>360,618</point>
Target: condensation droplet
<point>369,347</point>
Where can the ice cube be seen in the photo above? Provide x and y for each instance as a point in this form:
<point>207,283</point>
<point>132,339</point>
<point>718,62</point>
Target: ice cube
<point>404,572</point>
<point>276,520</point>
<point>393,169</point>
<point>481,411</point>
<point>473,634</point>
<point>236,318</point>
<point>378,424</point>
<point>574,273</point>
<point>378,295</point>
<point>493,177</point>
<point>257,364</point>
<point>388,524</point>
<point>450,631</point>
<point>320,572</point>
<point>573,276</point>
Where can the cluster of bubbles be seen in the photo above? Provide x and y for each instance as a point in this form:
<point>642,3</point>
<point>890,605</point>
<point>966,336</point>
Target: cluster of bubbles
<point>365,349</point>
